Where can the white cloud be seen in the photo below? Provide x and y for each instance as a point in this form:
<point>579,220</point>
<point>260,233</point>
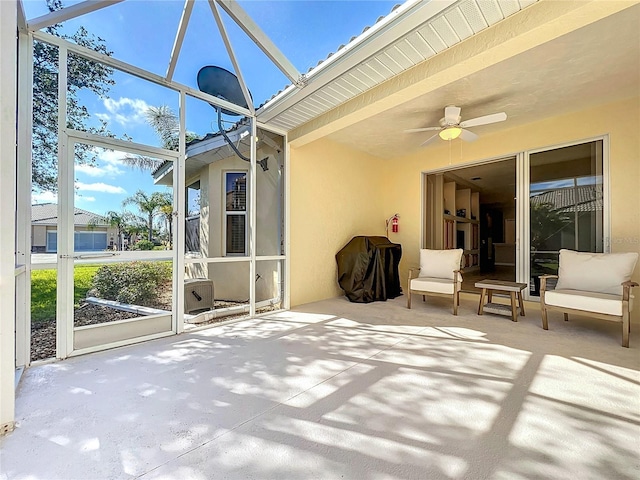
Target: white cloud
<point>125,111</point>
<point>112,157</point>
<point>102,171</point>
<point>44,197</point>
<point>51,197</point>
<point>109,164</point>
<point>99,187</point>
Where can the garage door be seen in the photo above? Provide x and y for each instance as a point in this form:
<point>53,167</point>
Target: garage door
<point>83,241</point>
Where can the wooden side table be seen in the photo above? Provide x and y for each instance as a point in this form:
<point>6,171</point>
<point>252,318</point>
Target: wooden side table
<point>513,288</point>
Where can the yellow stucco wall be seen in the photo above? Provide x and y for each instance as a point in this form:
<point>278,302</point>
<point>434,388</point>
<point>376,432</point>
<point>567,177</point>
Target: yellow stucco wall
<point>326,177</point>
<point>336,194</point>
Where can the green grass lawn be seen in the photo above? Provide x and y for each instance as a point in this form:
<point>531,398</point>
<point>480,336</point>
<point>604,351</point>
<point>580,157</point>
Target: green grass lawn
<point>43,291</point>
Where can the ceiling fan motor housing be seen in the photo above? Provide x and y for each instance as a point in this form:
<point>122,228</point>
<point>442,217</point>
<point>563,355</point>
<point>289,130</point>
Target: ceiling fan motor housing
<point>444,123</point>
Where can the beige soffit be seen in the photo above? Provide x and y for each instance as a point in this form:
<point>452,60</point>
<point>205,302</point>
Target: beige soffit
<point>409,35</point>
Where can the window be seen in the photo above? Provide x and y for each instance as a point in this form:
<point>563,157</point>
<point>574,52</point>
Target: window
<point>192,216</point>
<point>52,241</point>
<point>236,212</point>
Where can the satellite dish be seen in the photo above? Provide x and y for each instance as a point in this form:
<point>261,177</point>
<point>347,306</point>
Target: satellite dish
<point>223,84</point>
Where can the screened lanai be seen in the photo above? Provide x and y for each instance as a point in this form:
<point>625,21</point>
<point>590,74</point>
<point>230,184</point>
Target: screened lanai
<point>215,240</point>
<point>68,159</point>
<point>238,149</point>
<point>216,244</point>
<point>94,164</point>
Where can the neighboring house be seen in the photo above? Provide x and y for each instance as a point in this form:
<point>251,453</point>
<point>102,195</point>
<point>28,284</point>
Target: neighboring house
<point>581,198</point>
<point>91,232</point>
<point>218,204</point>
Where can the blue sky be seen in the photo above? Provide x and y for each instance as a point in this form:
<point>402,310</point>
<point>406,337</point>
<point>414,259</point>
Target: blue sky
<point>141,32</point>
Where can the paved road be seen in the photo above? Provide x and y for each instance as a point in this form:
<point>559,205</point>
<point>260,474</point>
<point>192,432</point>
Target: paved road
<point>48,260</point>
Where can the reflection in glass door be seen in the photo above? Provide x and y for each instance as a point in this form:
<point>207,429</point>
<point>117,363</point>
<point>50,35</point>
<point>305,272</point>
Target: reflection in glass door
<point>566,205</point>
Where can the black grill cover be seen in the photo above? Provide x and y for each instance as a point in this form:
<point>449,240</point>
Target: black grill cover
<point>368,269</point>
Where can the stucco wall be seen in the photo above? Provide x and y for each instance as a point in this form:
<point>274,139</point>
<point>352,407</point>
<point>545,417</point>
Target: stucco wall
<point>325,177</point>
<point>336,194</point>
<point>231,280</point>
<point>38,236</point>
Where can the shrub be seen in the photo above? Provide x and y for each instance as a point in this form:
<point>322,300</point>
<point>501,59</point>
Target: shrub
<point>132,282</point>
<point>144,245</point>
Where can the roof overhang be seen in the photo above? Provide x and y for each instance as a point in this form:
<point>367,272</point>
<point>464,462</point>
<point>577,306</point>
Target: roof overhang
<point>202,153</point>
<point>412,33</point>
<point>486,57</point>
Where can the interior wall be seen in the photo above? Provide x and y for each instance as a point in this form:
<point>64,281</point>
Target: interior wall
<point>336,193</point>
<point>403,175</point>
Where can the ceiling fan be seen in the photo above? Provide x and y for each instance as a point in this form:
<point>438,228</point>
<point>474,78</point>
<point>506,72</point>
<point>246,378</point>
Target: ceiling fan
<point>451,127</point>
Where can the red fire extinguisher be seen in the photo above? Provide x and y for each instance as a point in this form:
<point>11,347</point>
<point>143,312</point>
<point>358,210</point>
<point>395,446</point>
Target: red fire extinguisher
<point>393,220</point>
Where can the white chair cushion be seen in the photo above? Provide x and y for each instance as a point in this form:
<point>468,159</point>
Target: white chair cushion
<point>433,285</point>
<point>439,263</point>
<point>595,272</point>
<point>589,301</point>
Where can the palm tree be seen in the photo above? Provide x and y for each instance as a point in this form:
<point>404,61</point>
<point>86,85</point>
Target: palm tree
<point>165,122</point>
<point>167,213</point>
<point>119,220</point>
<point>546,222</point>
<point>166,125</point>
<point>135,225</point>
<point>149,205</point>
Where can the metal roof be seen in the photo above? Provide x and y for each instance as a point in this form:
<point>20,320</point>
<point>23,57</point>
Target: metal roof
<point>409,35</point>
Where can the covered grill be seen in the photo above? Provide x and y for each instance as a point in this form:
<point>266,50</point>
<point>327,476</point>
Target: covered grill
<point>368,269</point>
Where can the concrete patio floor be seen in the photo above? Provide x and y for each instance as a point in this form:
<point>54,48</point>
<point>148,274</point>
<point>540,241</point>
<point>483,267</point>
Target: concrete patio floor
<point>337,390</point>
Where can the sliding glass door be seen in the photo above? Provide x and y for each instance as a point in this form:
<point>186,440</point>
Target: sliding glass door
<point>566,205</point>
<point>528,207</point>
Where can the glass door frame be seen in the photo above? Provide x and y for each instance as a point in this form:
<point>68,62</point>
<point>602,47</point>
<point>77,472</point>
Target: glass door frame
<point>65,252</point>
<point>523,241</point>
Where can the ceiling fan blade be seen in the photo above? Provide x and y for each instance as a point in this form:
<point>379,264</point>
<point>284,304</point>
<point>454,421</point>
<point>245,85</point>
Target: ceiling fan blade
<point>425,129</point>
<point>484,120</point>
<point>467,135</point>
<point>451,114</point>
<point>429,140</point>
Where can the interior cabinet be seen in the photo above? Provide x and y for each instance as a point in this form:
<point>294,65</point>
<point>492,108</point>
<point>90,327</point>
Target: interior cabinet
<point>460,221</point>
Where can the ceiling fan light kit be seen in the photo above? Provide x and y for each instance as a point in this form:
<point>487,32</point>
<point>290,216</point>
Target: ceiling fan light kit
<point>450,133</point>
<point>451,126</point>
